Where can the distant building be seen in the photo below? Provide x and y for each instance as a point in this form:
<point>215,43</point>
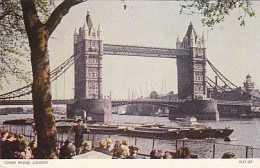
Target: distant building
<point>249,85</point>
<point>169,96</point>
<point>245,93</point>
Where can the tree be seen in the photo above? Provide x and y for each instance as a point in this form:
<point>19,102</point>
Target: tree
<point>13,42</point>
<point>34,17</point>
<point>38,34</point>
<point>214,12</point>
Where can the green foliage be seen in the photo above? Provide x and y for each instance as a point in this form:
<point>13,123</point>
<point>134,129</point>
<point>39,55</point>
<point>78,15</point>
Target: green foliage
<point>215,11</point>
<point>14,46</point>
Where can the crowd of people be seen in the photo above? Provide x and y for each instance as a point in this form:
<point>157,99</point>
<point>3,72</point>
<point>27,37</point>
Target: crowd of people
<point>120,150</point>
<point>15,146</point>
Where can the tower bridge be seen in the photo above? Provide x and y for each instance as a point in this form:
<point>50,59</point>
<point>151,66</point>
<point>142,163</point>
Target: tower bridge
<point>190,55</point>
<point>89,49</point>
<point>191,66</point>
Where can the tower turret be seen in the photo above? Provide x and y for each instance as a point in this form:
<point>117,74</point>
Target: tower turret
<point>249,85</point>
<point>203,41</point>
<point>248,78</point>
<point>191,37</point>
<point>178,43</point>
<point>89,22</point>
<point>191,40</point>
<point>85,31</point>
<point>99,32</point>
<point>75,35</point>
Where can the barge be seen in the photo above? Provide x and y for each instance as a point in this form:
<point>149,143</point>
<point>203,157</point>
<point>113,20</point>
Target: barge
<point>23,121</point>
<point>163,132</point>
<point>203,133</point>
<point>154,132</point>
<point>105,129</point>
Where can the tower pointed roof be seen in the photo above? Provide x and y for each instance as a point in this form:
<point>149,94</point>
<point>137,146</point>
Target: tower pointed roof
<point>99,27</point>
<point>89,21</point>
<point>178,39</point>
<point>203,40</point>
<point>75,32</point>
<point>248,76</point>
<point>84,27</point>
<point>191,33</point>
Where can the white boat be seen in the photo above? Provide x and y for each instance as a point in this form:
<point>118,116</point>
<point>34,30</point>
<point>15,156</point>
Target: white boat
<point>123,112</point>
<point>190,122</point>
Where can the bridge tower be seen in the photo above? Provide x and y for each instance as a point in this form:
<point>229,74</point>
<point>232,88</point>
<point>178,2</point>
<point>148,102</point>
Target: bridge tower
<point>88,69</point>
<point>192,68</point>
<point>88,52</point>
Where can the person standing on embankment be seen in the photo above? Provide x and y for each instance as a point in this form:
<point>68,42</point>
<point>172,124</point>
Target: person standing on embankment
<point>78,130</point>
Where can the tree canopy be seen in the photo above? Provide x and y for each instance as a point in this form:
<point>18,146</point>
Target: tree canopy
<point>14,50</point>
<point>214,12</point>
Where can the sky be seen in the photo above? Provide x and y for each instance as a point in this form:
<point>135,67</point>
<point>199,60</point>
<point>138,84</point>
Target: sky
<point>233,49</point>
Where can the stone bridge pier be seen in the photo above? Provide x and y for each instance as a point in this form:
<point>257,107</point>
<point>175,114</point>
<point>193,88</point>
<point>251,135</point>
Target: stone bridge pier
<point>201,109</point>
<point>92,110</point>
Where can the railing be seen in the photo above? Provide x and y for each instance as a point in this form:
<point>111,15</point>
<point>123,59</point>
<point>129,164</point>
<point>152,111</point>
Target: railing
<point>29,102</point>
<point>148,100</point>
<point>127,50</point>
<point>202,148</point>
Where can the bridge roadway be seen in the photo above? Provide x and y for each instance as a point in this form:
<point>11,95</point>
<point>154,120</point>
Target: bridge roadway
<point>120,102</point>
<point>126,50</point>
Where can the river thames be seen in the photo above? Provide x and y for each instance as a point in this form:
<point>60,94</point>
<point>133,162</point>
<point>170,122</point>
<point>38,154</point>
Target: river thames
<point>246,132</point>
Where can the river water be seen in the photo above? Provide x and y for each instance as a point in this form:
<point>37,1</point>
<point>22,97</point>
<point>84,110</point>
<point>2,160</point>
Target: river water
<point>247,132</point>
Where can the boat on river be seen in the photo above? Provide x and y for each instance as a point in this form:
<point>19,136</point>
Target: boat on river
<point>164,132</point>
<point>203,133</point>
<point>23,121</point>
<point>155,131</point>
<point>105,129</point>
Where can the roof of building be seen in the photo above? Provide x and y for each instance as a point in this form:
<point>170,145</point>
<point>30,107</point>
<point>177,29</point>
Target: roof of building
<point>191,32</point>
<point>89,21</point>
<point>248,76</point>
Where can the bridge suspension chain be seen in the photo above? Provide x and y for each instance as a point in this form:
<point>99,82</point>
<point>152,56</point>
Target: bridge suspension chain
<point>211,83</point>
<point>225,80</point>
<point>221,76</point>
<point>55,74</point>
